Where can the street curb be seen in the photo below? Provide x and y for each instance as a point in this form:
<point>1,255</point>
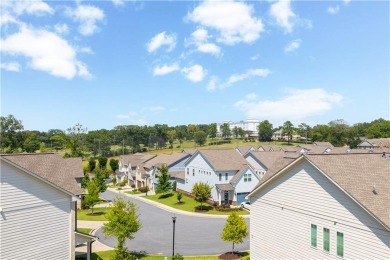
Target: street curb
<point>170,209</point>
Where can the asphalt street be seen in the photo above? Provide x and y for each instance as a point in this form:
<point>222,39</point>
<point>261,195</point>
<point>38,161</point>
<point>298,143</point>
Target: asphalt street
<point>193,235</point>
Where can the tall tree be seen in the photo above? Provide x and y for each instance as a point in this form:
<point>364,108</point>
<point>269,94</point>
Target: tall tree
<point>102,162</point>
<point>163,184</point>
<point>212,130</point>
<point>75,140</point>
<point>265,131</point>
<point>338,130</point>
<point>225,129</point>
<point>91,164</point>
<point>123,222</point>
<point>114,164</point>
<point>10,128</point>
<point>31,142</point>
<point>100,176</point>
<point>304,130</point>
<point>235,229</point>
<point>288,129</point>
<point>171,137</point>
<point>191,130</point>
<point>201,192</point>
<point>235,132</point>
<point>379,128</point>
<point>200,137</point>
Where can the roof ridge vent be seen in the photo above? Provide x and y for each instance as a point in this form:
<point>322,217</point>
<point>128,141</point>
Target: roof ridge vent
<point>374,190</point>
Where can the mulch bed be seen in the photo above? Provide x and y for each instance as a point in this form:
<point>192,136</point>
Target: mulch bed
<point>230,255</point>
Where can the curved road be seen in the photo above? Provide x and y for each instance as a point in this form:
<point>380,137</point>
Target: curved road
<point>193,235</point>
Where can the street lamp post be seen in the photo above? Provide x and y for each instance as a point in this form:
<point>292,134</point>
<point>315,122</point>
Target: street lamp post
<point>173,246</point>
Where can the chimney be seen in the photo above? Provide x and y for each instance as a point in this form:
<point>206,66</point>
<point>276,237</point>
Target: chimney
<point>384,155</point>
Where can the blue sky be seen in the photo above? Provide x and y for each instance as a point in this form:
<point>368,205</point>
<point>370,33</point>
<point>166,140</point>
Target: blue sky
<point>109,63</point>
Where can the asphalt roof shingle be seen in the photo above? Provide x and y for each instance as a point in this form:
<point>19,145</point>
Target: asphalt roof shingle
<point>61,172</point>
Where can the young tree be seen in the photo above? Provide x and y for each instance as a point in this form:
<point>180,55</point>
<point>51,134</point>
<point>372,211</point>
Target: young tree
<point>102,162</point>
<point>235,229</point>
<point>100,176</point>
<point>201,192</point>
<point>122,223</point>
<point>179,196</point>
<point>200,137</point>
<point>163,184</point>
<point>265,131</point>
<point>85,180</point>
<point>92,197</point>
<point>91,164</point>
<point>114,164</point>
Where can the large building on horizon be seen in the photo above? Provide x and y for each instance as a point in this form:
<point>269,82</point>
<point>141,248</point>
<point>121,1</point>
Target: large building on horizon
<point>249,126</point>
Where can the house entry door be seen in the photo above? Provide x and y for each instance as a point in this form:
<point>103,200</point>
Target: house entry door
<point>226,197</point>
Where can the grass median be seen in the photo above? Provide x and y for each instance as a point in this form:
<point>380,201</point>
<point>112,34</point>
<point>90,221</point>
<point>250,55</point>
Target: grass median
<point>189,204</point>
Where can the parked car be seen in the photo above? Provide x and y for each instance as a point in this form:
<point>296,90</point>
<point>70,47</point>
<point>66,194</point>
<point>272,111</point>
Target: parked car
<point>246,205</point>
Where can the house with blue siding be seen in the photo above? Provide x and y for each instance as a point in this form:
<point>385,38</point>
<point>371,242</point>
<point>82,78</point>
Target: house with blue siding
<point>323,206</point>
<point>225,170</point>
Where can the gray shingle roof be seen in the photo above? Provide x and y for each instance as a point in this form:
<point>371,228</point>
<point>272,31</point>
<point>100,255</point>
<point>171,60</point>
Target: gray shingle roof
<point>366,177</point>
<point>224,159</point>
<point>267,158</point>
<point>61,172</point>
<point>135,159</point>
<point>167,159</point>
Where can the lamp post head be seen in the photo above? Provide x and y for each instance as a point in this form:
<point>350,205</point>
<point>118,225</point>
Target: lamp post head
<point>174,219</point>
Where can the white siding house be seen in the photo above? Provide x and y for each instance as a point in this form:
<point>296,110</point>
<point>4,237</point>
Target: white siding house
<point>224,171</point>
<point>323,207</point>
<point>38,194</point>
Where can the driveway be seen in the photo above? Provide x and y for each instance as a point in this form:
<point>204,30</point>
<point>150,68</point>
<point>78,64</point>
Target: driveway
<point>194,235</point>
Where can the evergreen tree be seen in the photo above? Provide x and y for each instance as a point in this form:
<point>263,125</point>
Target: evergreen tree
<point>235,229</point>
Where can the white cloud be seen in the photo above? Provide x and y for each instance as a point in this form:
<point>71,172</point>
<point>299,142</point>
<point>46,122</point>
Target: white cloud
<point>165,69</point>
<point>87,16</point>
<point>132,118</point>
<point>118,2</point>
<point>213,84</point>
<point>255,57</point>
<point>194,73</point>
<point>46,51</point>
<point>31,7</point>
<point>346,2</point>
<point>297,104</point>
<point>293,45</point>
<point>161,39</point>
<point>333,10</point>
<point>233,20</point>
<point>282,12</point>
<point>200,38</point>
<point>11,66</point>
<point>61,28</point>
<point>250,73</point>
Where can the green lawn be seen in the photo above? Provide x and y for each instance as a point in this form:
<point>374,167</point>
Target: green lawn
<point>133,192</point>
<point>188,205</point>
<point>84,230</point>
<point>85,214</point>
<point>105,255</point>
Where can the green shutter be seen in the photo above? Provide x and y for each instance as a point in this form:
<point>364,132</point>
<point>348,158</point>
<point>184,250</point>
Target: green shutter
<point>326,239</point>
<point>340,244</point>
<point>313,235</point>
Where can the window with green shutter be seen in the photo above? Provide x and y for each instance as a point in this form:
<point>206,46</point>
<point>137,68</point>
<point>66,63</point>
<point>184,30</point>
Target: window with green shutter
<point>326,239</point>
<point>313,235</point>
<point>340,244</point>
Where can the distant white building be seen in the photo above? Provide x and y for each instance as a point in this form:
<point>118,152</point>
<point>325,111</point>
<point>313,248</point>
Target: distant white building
<point>249,126</point>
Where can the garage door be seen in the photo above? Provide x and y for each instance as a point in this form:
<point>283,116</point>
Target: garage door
<point>241,197</point>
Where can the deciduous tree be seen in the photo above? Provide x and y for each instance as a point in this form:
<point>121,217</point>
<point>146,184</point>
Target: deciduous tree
<point>235,229</point>
<point>200,137</point>
<point>163,184</point>
<point>122,223</point>
<point>201,192</point>
<point>92,197</point>
<point>265,131</point>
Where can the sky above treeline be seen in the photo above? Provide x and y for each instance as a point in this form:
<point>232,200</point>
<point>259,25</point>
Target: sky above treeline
<point>109,63</point>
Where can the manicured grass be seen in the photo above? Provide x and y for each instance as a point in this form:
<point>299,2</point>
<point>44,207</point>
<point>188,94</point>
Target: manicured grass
<point>133,192</point>
<point>105,255</point>
<point>98,214</point>
<point>84,230</point>
<point>188,205</point>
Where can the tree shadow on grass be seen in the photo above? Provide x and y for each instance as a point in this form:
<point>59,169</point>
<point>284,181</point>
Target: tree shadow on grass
<point>96,213</point>
<point>164,196</point>
<point>203,208</point>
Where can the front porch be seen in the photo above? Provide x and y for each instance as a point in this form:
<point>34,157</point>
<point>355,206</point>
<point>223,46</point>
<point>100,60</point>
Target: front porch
<point>225,193</point>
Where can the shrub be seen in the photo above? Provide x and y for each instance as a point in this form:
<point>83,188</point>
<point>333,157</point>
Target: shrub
<point>144,189</point>
<point>178,257</point>
<point>174,184</point>
<point>133,186</point>
<point>179,196</point>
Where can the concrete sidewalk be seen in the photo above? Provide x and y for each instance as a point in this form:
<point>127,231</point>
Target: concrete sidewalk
<point>170,209</point>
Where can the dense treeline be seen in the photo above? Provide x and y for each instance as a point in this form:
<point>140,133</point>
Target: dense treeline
<point>124,139</point>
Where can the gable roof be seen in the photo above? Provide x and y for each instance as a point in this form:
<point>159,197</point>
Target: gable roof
<point>222,159</point>
<point>167,159</point>
<point>270,148</point>
<point>52,168</point>
<point>327,144</point>
<point>135,159</point>
<point>376,142</point>
<point>245,149</point>
<point>238,175</point>
<point>364,177</point>
<point>266,158</point>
